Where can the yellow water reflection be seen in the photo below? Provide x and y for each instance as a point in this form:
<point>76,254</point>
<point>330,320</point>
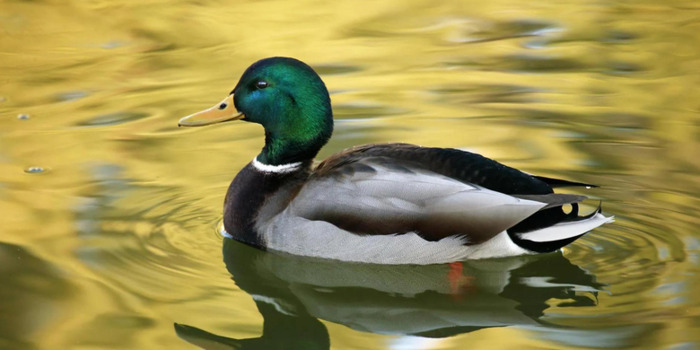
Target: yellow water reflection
<point>115,240</point>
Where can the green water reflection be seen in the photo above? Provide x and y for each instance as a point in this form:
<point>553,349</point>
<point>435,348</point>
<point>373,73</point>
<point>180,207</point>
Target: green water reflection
<point>115,240</point>
<point>434,301</point>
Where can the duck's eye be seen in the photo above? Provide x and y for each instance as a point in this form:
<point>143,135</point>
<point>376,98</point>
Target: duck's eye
<point>223,105</point>
<point>261,84</point>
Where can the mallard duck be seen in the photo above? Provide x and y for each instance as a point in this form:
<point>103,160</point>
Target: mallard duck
<point>389,203</point>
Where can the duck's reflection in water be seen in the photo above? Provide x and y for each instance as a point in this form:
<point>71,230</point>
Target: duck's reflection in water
<point>293,293</point>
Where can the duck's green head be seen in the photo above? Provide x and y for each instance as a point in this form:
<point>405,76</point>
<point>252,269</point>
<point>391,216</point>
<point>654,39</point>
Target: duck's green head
<point>288,99</point>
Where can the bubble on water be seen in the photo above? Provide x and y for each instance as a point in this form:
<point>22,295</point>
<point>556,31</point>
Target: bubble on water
<point>34,170</point>
<point>23,116</point>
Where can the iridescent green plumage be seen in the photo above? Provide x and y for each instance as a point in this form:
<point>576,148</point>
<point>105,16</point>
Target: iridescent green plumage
<point>293,105</point>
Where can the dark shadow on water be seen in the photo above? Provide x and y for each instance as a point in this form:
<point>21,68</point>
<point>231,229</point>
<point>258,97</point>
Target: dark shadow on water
<point>32,291</point>
<point>293,293</point>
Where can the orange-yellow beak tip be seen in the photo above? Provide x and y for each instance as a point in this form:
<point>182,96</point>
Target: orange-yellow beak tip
<point>221,112</point>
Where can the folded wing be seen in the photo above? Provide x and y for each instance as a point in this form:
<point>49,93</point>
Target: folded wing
<point>379,195</point>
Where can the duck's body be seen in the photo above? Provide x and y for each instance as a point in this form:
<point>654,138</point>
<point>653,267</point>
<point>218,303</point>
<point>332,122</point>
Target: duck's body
<point>399,204</point>
<point>388,203</point>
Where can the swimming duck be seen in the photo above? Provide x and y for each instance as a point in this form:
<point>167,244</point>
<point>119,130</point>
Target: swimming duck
<point>389,203</point>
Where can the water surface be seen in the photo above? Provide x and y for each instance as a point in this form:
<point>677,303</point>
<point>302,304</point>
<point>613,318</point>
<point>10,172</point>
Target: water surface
<point>109,212</point>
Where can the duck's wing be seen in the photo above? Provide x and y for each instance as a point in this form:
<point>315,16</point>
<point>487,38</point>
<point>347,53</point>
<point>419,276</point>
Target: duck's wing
<point>454,163</point>
<point>376,193</point>
<point>554,183</point>
<point>470,168</point>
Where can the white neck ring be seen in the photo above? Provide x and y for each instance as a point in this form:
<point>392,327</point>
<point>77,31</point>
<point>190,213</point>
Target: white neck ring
<point>277,169</point>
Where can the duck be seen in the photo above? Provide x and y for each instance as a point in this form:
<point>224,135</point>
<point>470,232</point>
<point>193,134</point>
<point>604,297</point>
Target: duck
<point>390,203</point>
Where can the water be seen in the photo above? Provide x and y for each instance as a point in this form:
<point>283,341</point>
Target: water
<point>108,232</point>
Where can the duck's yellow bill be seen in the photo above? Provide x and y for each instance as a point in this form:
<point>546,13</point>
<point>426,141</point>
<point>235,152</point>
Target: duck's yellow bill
<point>221,112</point>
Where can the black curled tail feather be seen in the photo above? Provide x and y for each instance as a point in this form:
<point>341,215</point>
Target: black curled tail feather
<point>517,234</point>
<point>574,211</point>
